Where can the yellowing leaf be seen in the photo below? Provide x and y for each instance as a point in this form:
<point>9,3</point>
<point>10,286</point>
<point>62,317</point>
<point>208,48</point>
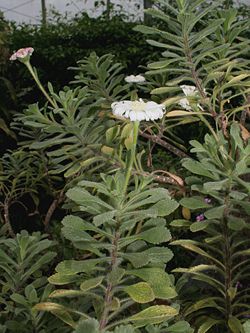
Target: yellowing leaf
<point>179,113</point>
<point>140,292</point>
<point>153,315</point>
<point>65,293</point>
<point>107,150</point>
<point>186,213</point>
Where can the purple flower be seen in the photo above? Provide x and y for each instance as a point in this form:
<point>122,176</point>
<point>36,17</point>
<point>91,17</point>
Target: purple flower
<point>200,217</point>
<point>238,285</point>
<point>207,200</point>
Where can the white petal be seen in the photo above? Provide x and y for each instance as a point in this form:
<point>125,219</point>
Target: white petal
<point>184,103</point>
<point>188,90</point>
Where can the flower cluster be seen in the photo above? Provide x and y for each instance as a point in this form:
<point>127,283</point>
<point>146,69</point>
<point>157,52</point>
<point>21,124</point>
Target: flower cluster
<point>22,54</point>
<point>138,110</point>
<point>135,79</point>
<point>200,217</point>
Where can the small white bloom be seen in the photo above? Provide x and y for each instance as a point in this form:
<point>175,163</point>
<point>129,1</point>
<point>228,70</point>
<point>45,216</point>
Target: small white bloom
<point>184,103</point>
<point>138,110</point>
<point>135,79</point>
<point>188,91</point>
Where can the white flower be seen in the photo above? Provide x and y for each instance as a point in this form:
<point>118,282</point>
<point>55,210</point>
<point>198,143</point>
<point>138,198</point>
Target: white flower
<point>21,54</point>
<point>135,79</point>
<point>188,91</point>
<point>138,110</point>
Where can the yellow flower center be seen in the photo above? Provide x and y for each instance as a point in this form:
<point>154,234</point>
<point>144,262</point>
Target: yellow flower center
<point>138,106</point>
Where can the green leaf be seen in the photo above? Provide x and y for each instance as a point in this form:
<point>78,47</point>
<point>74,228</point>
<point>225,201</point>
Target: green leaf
<point>61,279</point>
<point>235,325</point>
<point>158,280</point>
<point>232,292</point>
<point>215,213</point>
<point>115,276</point>
<point>197,168</point>
<point>124,329</point>
<point>155,235</point>
<point>103,218</point>
<point>20,299</point>
<point>140,292</point>
<point>180,223</point>
<point>91,283</point>
<point>236,223</point>
<point>194,203</point>
<point>198,226</point>
<point>146,30</point>
<point>137,259</point>
<point>70,267</point>
<point>88,326</point>
<point>159,254</point>
<point>246,326</point>
<point>201,304</point>
<point>209,323</point>
<point>153,315</point>
<point>73,170</point>
<point>74,230</point>
<point>180,327</point>
<point>165,207</point>
<point>163,90</point>
<point>192,246</point>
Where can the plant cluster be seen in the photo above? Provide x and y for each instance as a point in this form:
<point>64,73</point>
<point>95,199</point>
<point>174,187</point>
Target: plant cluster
<point>91,147</point>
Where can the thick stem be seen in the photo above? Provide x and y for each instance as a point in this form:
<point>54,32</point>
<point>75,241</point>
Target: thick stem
<point>108,294</point>
<point>227,260</point>
<point>35,77</point>
<point>227,263</point>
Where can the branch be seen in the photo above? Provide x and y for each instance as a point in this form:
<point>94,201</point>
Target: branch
<point>168,146</point>
<point>56,202</point>
<point>7,219</point>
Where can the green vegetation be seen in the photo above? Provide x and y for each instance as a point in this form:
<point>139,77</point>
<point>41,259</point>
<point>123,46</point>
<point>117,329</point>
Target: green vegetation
<point>125,198</point>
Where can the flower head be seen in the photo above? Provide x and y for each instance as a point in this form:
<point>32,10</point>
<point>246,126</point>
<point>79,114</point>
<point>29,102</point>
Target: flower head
<point>200,218</point>
<point>135,79</point>
<point>22,54</point>
<point>188,91</point>
<point>138,110</point>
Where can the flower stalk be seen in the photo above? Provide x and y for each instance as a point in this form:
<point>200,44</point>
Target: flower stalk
<point>35,77</point>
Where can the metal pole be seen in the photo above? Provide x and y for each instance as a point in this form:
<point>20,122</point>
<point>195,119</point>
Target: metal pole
<point>44,13</point>
<point>108,7</point>
<point>147,4</point>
